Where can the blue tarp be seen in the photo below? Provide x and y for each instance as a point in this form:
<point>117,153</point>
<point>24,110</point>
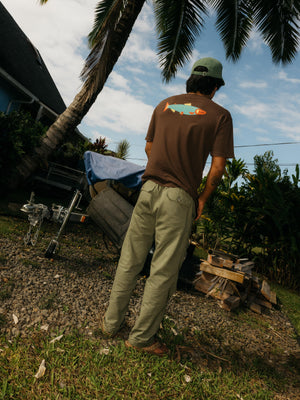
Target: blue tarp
<point>99,168</point>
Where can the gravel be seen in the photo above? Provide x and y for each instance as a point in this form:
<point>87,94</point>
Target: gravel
<point>71,292</point>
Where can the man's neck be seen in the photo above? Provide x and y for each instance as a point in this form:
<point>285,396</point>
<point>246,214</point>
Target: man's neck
<point>209,96</point>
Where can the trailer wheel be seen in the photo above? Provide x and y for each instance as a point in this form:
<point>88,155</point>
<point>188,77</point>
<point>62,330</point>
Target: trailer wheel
<point>51,249</point>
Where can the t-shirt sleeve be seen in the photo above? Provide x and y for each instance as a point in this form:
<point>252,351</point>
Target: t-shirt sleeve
<point>223,144</point>
<point>151,129</point>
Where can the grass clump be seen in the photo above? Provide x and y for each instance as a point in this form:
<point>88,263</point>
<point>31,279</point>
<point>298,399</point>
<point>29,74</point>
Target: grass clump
<point>290,301</point>
<point>77,368</point>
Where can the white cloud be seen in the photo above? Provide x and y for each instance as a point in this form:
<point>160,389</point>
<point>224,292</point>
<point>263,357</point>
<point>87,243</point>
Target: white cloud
<point>119,111</point>
<point>283,76</point>
<point>118,81</point>
<point>138,51</point>
<point>252,84</point>
<point>145,22</point>
<point>95,134</point>
<point>253,110</point>
<point>173,90</point>
<point>222,99</point>
<point>256,43</point>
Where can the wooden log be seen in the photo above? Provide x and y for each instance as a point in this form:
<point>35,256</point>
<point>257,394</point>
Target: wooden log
<point>224,273</point>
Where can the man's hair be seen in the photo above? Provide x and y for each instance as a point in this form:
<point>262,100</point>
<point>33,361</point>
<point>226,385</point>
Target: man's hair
<point>202,84</point>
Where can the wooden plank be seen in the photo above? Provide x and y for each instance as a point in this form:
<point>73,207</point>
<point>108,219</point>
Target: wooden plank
<point>214,260</point>
<point>273,298</point>
<point>255,307</point>
<point>224,273</point>
<point>232,302</point>
<point>228,263</point>
<point>255,282</point>
<point>203,283</point>
<point>244,267</point>
<point>219,292</point>
<point>266,290</point>
<point>264,303</point>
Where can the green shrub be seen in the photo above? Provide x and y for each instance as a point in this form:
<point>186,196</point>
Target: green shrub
<point>19,135</point>
<point>259,220</point>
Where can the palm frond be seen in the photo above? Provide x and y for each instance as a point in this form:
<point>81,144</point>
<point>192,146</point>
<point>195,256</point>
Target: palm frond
<point>234,23</point>
<point>278,21</point>
<point>178,23</point>
<point>116,21</point>
<point>107,15</point>
<point>123,149</point>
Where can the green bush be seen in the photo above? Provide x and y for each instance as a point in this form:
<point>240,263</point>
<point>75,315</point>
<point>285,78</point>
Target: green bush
<point>19,135</point>
<point>259,219</point>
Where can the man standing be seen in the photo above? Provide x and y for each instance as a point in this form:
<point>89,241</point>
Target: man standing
<point>183,131</point>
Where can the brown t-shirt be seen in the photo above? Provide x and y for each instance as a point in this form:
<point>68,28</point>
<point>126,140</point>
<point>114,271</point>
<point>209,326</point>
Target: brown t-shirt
<point>184,130</point>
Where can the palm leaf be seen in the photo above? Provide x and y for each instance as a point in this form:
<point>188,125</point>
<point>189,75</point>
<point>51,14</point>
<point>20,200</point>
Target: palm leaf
<point>177,23</point>
<point>107,16</point>
<point>278,22</point>
<point>234,23</point>
<point>116,19</point>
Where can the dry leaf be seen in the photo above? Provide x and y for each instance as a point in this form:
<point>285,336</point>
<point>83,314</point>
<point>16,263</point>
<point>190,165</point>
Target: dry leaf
<point>44,327</point>
<point>105,351</point>
<point>174,332</point>
<point>15,318</point>
<point>56,339</point>
<point>41,370</point>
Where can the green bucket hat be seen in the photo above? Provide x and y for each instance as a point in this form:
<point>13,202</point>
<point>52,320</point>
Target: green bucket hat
<point>214,68</point>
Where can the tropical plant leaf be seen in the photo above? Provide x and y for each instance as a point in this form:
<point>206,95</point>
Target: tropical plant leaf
<point>234,23</point>
<point>177,24</point>
<point>107,16</point>
<point>115,22</point>
<point>278,21</point>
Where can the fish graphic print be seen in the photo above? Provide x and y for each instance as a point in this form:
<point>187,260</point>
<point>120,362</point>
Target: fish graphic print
<point>185,109</point>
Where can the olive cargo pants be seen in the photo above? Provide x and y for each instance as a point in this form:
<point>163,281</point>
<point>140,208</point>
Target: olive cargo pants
<point>165,215</point>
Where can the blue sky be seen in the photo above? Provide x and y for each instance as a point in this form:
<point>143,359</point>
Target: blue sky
<point>263,98</point>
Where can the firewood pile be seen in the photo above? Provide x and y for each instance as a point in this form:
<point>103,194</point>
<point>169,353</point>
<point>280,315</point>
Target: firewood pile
<point>230,280</point>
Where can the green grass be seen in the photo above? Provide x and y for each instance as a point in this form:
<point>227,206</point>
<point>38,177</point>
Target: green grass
<point>290,305</point>
<point>77,368</point>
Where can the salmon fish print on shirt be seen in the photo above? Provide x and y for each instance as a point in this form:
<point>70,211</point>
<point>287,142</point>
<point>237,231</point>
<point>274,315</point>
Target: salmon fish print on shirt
<point>185,109</point>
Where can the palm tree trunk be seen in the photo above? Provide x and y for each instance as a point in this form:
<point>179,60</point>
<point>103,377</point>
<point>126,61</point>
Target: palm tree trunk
<point>83,101</point>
